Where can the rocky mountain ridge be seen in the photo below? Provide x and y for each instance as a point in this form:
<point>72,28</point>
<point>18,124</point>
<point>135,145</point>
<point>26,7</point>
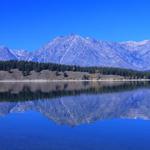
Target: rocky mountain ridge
<point>77,50</point>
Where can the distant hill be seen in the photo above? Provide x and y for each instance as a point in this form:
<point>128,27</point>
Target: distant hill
<point>6,54</point>
<point>77,50</point>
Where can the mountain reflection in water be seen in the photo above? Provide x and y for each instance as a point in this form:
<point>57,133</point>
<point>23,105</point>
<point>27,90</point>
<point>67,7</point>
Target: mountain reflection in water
<point>75,103</point>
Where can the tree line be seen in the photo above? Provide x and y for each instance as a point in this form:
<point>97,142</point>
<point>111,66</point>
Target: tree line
<point>27,66</point>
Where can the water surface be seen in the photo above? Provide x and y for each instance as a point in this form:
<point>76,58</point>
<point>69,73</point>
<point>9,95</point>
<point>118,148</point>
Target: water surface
<point>75,116</point>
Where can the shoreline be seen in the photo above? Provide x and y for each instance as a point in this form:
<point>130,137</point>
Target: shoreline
<point>105,80</point>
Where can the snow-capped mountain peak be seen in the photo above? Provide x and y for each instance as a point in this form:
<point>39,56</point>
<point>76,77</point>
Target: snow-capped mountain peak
<point>85,51</point>
<point>136,43</point>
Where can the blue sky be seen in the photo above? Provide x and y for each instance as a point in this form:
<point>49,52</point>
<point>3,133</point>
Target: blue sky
<point>29,24</point>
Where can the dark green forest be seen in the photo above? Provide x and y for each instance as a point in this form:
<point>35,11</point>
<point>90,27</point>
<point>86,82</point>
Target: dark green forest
<point>26,67</point>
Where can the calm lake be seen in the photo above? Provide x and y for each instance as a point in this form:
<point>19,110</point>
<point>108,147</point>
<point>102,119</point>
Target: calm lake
<point>75,116</point>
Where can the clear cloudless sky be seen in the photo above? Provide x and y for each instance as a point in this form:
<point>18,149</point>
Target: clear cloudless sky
<point>29,24</point>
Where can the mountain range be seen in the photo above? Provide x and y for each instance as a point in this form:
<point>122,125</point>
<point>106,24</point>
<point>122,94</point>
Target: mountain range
<point>77,50</point>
